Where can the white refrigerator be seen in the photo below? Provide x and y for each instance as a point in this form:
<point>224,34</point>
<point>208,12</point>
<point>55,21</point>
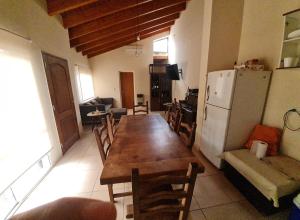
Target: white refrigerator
<point>235,101</point>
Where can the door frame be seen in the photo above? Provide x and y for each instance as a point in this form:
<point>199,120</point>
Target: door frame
<point>58,129</point>
<point>120,86</point>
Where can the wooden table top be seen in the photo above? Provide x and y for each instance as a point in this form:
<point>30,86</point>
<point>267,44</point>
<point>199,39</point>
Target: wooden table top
<point>145,142</point>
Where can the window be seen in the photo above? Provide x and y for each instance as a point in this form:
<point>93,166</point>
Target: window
<point>24,132</point>
<point>84,83</point>
<point>160,46</point>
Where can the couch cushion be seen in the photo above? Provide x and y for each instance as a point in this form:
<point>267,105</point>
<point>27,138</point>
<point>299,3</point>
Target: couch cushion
<point>99,100</point>
<point>272,183</point>
<point>107,101</point>
<point>286,165</point>
<point>94,102</point>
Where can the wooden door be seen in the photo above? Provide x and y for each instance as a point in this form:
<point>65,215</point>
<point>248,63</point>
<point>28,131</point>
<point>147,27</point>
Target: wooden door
<point>60,89</point>
<point>127,91</point>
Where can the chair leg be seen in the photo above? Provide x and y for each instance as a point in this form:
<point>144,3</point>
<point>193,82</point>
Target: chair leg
<point>110,191</point>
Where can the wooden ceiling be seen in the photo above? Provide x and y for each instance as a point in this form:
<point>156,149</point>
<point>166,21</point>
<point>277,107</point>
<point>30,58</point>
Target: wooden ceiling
<point>98,26</point>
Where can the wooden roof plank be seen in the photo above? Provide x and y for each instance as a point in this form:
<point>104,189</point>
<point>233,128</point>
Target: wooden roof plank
<point>56,7</point>
<point>105,8</point>
<point>125,18</point>
<point>132,36</point>
<point>121,44</point>
<point>97,10</point>
<point>116,29</point>
<point>118,35</point>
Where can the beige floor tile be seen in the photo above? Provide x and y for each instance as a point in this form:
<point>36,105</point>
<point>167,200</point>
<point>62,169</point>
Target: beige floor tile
<point>208,193</point>
<point>127,201</point>
<point>100,195</point>
<point>80,181</point>
<point>90,163</point>
<point>233,211</point>
<point>210,169</point>
<point>196,215</point>
<point>128,186</point>
<point>194,204</point>
<point>98,186</point>
<point>227,187</point>
<point>284,215</point>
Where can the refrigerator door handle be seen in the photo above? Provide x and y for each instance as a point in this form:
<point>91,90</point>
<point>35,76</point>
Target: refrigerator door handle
<point>205,113</point>
<point>207,92</point>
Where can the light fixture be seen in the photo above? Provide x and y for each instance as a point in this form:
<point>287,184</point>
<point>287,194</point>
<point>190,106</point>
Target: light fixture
<point>138,38</point>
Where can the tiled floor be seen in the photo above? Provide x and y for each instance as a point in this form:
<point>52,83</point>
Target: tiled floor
<point>77,174</point>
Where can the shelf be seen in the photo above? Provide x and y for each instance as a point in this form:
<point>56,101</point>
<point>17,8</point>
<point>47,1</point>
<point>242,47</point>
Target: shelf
<point>292,40</point>
<point>283,68</point>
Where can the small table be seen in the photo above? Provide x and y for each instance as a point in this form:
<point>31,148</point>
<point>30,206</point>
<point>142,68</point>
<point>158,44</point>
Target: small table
<point>95,115</point>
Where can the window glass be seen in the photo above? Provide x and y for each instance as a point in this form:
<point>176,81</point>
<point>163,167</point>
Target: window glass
<point>85,85</point>
<point>24,132</point>
<point>160,46</point>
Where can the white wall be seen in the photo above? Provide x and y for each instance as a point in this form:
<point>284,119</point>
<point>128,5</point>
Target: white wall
<point>31,20</point>
<point>220,44</point>
<point>106,68</point>
<point>185,47</point>
<point>262,35</point>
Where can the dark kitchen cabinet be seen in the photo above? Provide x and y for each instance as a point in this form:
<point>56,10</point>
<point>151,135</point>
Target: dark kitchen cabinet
<point>160,87</point>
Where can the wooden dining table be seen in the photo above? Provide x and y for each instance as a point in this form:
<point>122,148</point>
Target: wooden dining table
<point>145,142</point>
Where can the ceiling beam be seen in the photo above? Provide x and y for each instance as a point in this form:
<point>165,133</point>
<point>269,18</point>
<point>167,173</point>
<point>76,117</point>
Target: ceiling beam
<point>56,7</point>
<point>124,43</point>
<point>97,10</point>
<point>123,38</point>
<point>118,35</point>
<point>115,29</point>
<point>84,15</point>
<point>124,18</point>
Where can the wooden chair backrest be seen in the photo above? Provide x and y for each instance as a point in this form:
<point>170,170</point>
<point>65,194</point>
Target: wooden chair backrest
<point>174,115</point>
<point>159,202</point>
<point>110,127</point>
<point>187,131</point>
<point>103,142</point>
<point>141,109</point>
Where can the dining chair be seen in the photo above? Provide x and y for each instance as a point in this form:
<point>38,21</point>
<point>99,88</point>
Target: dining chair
<point>111,126</point>
<point>174,115</point>
<point>70,208</point>
<point>186,131</point>
<point>103,143</point>
<point>144,109</point>
<point>154,204</point>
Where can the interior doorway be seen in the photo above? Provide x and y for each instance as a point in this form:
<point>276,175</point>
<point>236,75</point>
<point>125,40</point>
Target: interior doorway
<point>60,89</point>
<point>127,89</point>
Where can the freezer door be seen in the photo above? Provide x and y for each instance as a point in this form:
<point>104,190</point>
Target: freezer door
<point>214,133</point>
<point>219,88</point>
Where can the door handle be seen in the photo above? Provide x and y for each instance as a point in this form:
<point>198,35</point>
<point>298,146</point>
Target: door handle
<point>207,92</point>
<point>205,113</point>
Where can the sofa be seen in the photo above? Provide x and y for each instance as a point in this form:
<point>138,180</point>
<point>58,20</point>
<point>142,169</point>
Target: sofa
<point>269,184</point>
<point>102,104</point>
